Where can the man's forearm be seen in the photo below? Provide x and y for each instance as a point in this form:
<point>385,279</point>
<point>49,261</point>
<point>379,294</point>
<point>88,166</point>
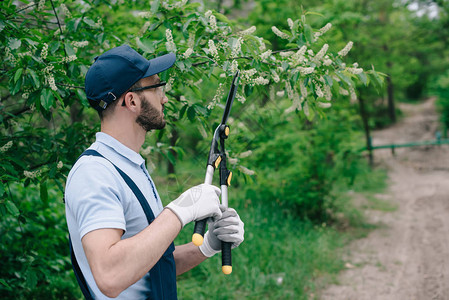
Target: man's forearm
<point>187,256</point>
<point>126,261</point>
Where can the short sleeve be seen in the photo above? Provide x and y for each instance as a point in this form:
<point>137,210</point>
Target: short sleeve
<point>94,194</point>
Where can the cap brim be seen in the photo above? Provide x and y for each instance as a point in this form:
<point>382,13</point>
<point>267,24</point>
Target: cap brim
<point>160,64</point>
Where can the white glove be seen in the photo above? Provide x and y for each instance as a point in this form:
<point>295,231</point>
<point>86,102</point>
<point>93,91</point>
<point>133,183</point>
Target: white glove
<point>229,228</point>
<point>197,203</point>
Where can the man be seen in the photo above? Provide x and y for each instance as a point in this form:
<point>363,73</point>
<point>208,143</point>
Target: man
<point>122,237</point>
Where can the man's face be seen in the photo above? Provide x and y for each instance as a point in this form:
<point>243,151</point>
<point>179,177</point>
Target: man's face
<point>152,106</point>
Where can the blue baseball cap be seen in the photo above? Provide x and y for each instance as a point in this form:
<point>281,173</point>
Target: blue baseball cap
<point>116,70</point>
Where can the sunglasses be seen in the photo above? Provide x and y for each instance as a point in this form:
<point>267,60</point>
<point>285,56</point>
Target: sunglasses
<point>154,86</point>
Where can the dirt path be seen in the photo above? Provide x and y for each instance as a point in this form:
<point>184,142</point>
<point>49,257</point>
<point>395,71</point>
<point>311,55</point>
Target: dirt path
<point>408,256</point>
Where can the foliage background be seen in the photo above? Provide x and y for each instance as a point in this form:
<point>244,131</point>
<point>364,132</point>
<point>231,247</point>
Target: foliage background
<point>293,170</point>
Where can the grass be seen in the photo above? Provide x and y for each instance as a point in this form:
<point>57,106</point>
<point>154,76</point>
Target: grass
<point>282,257</point>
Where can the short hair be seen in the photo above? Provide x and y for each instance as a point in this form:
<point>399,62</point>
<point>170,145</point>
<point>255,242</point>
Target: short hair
<point>111,106</point>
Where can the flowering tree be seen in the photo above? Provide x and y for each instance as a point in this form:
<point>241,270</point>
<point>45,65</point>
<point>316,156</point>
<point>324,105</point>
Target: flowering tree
<point>47,47</point>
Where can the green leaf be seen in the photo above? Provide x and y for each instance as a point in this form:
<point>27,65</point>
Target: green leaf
<point>18,74</point>
<point>89,22</point>
<point>328,80</point>
<point>44,193</point>
<point>191,113</point>
<point>14,43</point>
<point>308,33</point>
<point>182,111</point>
<point>2,26</point>
<point>69,49</point>
<point>222,18</point>
<point>2,189</point>
<point>54,46</point>
<point>31,279</point>
<point>47,99</point>
<point>363,78</point>
<point>155,6</point>
<point>5,284</point>
<point>82,96</point>
<point>146,45</point>
<point>12,208</point>
<point>17,86</point>
<point>35,78</point>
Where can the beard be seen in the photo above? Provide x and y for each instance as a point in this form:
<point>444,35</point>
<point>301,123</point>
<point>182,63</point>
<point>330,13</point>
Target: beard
<point>150,118</point>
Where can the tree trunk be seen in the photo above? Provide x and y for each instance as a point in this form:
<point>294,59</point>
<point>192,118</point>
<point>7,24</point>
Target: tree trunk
<point>390,91</point>
<point>173,139</point>
<point>364,116</point>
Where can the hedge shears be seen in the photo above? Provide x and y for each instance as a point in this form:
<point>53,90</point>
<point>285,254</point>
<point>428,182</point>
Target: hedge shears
<point>217,158</point>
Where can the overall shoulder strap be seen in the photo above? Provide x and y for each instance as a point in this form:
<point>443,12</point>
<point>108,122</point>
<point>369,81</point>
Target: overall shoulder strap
<point>143,202</point>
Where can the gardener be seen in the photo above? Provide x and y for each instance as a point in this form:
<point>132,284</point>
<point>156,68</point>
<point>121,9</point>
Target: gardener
<point>122,237</point>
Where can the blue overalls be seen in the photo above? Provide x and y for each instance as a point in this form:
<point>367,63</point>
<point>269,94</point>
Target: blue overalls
<point>163,273</point>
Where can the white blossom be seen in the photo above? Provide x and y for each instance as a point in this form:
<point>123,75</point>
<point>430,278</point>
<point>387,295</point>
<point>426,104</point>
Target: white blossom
<point>145,14</point>
<point>60,165</point>
<point>327,92</point>
<point>322,30</point>
<point>327,62</point>
<point>81,44</point>
<point>246,170</point>
<point>246,154</point>
<point>188,52</point>
<point>147,151</point>
<point>303,89</point>
<point>217,96</point>
<point>318,90</point>
<point>69,59</point>
<point>265,54</point>
<point>213,23</point>
<point>65,10</point>
<point>240,98</point>
<point>44,51</point>
<point>170,44</point>
<point>305,107</point>
<point>144,28</point>
<point>353,94</point>
<point>261,81</point>
<point>322,52</point>
<point>306,71</point>
<point>286,53</point>
<point>6,147</point>
<point>280,93</point>
<point>262,46</point>
<point>290,23</point>
<point>355,71</point>
<point>343,92</point>
<point>279,33</point>
<point>41,5</point>
<point>208,13</point>
<point>32,174</point>
<point>237,48</point>
<point>275,76</point>
<point>213,50</point>
<point>346,49</point>
<point>248,31</point>
<point>234,66</point>
<point>51,82</point>
<point>324,104</point>
<point>191,41</point>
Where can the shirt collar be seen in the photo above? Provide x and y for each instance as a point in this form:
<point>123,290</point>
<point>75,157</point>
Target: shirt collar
<point>119,148</point>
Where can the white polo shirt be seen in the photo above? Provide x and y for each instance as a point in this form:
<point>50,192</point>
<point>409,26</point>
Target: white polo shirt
<point>97,197</point>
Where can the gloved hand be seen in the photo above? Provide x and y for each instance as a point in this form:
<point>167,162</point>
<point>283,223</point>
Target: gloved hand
<point>229,228</point>
<point>197,203</point>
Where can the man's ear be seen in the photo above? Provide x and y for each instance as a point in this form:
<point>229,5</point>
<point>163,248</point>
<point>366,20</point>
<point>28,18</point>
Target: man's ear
<point>130,101</point>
